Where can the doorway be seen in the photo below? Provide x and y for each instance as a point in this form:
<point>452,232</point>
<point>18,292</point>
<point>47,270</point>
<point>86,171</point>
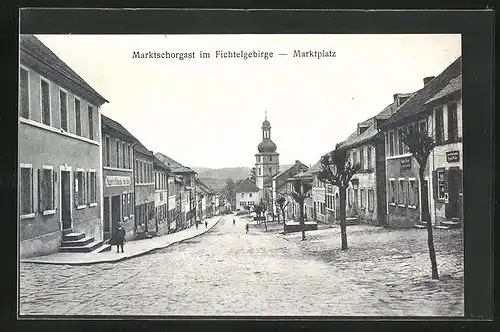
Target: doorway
<point>115,212</point>
<point>454,189</point>
<point>107,219</point>
<point>66,200</point>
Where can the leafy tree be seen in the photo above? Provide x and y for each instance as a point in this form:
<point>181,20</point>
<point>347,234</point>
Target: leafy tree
<point>253,174</point>
<point>229,191</point>
<point>282,203</point>
<point>420,145</point>
<point>301,188</point>
<point>337,170</point>
<point>260,210</point>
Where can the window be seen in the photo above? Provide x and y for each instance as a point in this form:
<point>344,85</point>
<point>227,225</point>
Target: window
<point>107,147</point>
<point>46,183</point>
<point>270,158</point>
<point>392,191</point>
<point>412,193</point>
<point>80,188</point>
<point>401,142</point>
<point>63,109</point>
<point>92,182</point>
<point>130,164</point>
<point>391,143</point>
<point>124,151</point>
<point>26,190</point>
<point>355,198</point>
<point>129,200</point>
<point>422,126</point>
<point>370,199</point>
<point>452,122</point>
<point>24,93</point>
<point>362,197</point>
<point>362,158</point>
<point>45,98</point>
<point>91,122</point>
<point>439,125</point>
<point>354,157</point>
<point>259,172</point>
<point>137,171</point>
<point>117,154</point>
<point>401,192</point>
<point>124,207</point>
<point>369,157</point>
<point>349,197</point>
<point>242,194</point>
<point>78,118</point>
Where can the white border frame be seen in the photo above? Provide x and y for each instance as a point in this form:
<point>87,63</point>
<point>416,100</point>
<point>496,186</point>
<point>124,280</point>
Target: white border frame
<point>64,168</point>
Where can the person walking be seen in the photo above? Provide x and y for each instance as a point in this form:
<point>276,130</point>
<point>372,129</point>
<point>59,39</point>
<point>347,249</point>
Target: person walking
<point>206,224</point>
<point>196,223</point>
<point>234,222</point>
<point>246,228</point>
<point>119,238</point>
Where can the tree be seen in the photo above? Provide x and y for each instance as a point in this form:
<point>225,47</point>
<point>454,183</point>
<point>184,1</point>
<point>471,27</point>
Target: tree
<point>300,192</point>
<point>253,175</point>
<point>337,170</point>
<point>420,145</point>
<point>229,191</point>
<point>259,210</point>
<point>282,203</point>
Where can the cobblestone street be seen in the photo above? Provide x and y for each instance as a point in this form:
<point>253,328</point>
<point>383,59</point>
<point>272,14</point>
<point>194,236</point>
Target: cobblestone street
<point>228,272</point>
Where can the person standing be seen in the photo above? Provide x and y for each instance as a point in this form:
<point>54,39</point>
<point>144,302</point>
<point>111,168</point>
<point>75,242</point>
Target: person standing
<point>119,238</point>
<point>196,223</point>
<point>247,228</point>
<point>234,222</point>
<point>206,224</point>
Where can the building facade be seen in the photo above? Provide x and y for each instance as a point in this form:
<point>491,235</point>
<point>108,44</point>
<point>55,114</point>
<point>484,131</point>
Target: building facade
<point>60,186</point>
<point>436,110</point>
<point>161,172</point>
<point>118,174</point>
<point>279,186</point>
<point>144,189</point>
<point>247,194</point>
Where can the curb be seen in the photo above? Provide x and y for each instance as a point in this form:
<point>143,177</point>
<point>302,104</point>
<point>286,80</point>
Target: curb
<point>149,251</point>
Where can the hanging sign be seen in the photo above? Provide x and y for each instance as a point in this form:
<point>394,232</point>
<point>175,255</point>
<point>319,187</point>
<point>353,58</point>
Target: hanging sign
<point>453,156</point>
<point>405,163</point>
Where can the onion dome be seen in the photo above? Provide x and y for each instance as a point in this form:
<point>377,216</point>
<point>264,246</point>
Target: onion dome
<point>266,146</point>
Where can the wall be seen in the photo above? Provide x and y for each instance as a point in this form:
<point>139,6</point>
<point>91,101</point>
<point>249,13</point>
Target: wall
<point>245,197</point>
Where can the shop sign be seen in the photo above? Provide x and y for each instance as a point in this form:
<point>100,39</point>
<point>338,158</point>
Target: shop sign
<point>453,156</point>
<point>405,163</point>
<point>117,181</point>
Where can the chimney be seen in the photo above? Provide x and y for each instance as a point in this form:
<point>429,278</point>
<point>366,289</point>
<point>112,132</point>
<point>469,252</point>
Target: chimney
<point>296,161</point>
<point>428,79</point>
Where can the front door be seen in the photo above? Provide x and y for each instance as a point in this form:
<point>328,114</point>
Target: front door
<point>107,219</point>
<point>115,212</point>
<point>66,199</point>
<point>454,185</point>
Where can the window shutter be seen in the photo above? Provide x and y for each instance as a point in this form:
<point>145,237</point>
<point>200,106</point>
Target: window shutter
<point>446,181</point>
<point>75,194</point>
<point>39,189</point>
<point>434,184</point>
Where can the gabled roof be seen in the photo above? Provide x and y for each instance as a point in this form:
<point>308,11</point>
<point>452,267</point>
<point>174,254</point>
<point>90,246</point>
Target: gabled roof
<point>158,163</point>
<point>247,186</point>
<point>454,85</point>
<point>105,121</point>
<point>203,187</point>
<point>286,171</point>
<point>314,169</point>
<point>175,166</point>
<point>142,149</point>
<point>35,53</point>
<point>416,103</point>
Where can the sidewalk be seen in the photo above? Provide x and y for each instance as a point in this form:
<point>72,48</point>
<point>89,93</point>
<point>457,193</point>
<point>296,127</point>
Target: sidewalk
<point>131,248</point>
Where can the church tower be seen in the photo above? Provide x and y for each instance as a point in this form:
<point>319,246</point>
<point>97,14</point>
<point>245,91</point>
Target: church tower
<point>267,160</point>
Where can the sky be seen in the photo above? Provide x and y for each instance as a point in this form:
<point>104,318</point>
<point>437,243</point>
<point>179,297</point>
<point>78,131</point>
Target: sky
<point>209,112</point>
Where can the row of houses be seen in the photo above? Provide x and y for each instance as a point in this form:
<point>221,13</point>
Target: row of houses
<point>387,191</point>
<point>82,173</point>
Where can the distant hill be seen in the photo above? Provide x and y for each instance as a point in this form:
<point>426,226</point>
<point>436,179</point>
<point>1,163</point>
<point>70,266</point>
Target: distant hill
<point>217,177</point>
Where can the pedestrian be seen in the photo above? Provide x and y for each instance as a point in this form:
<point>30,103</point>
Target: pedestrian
<point>234,222</point>
<point>247,227</point>
<point>206,224</point>
<point>119,238</point>
<point>196,223</point>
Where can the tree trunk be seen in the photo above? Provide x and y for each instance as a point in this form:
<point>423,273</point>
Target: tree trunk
<point>343,230</point>
<point>426,216</point>
<point>283,214</point>
<point>302,225</point>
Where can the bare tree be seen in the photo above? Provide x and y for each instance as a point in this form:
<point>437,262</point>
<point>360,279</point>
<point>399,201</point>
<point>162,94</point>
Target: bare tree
<point>253,175</point>
<point>337,170</point>
<point>300,192</point>
<point>420,145</point>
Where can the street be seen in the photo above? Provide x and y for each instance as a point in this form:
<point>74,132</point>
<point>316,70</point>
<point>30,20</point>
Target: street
<point>228,272</point>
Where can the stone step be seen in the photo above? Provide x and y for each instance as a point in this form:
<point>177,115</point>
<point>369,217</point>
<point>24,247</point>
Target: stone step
<point>86,248</point>
<point>451,224</point>
<point>77,243</point>
<point>104,248</point>
<point>73,236</point>
<point>442,227</point>
<point>67,231</point>
<point>419,226</point>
